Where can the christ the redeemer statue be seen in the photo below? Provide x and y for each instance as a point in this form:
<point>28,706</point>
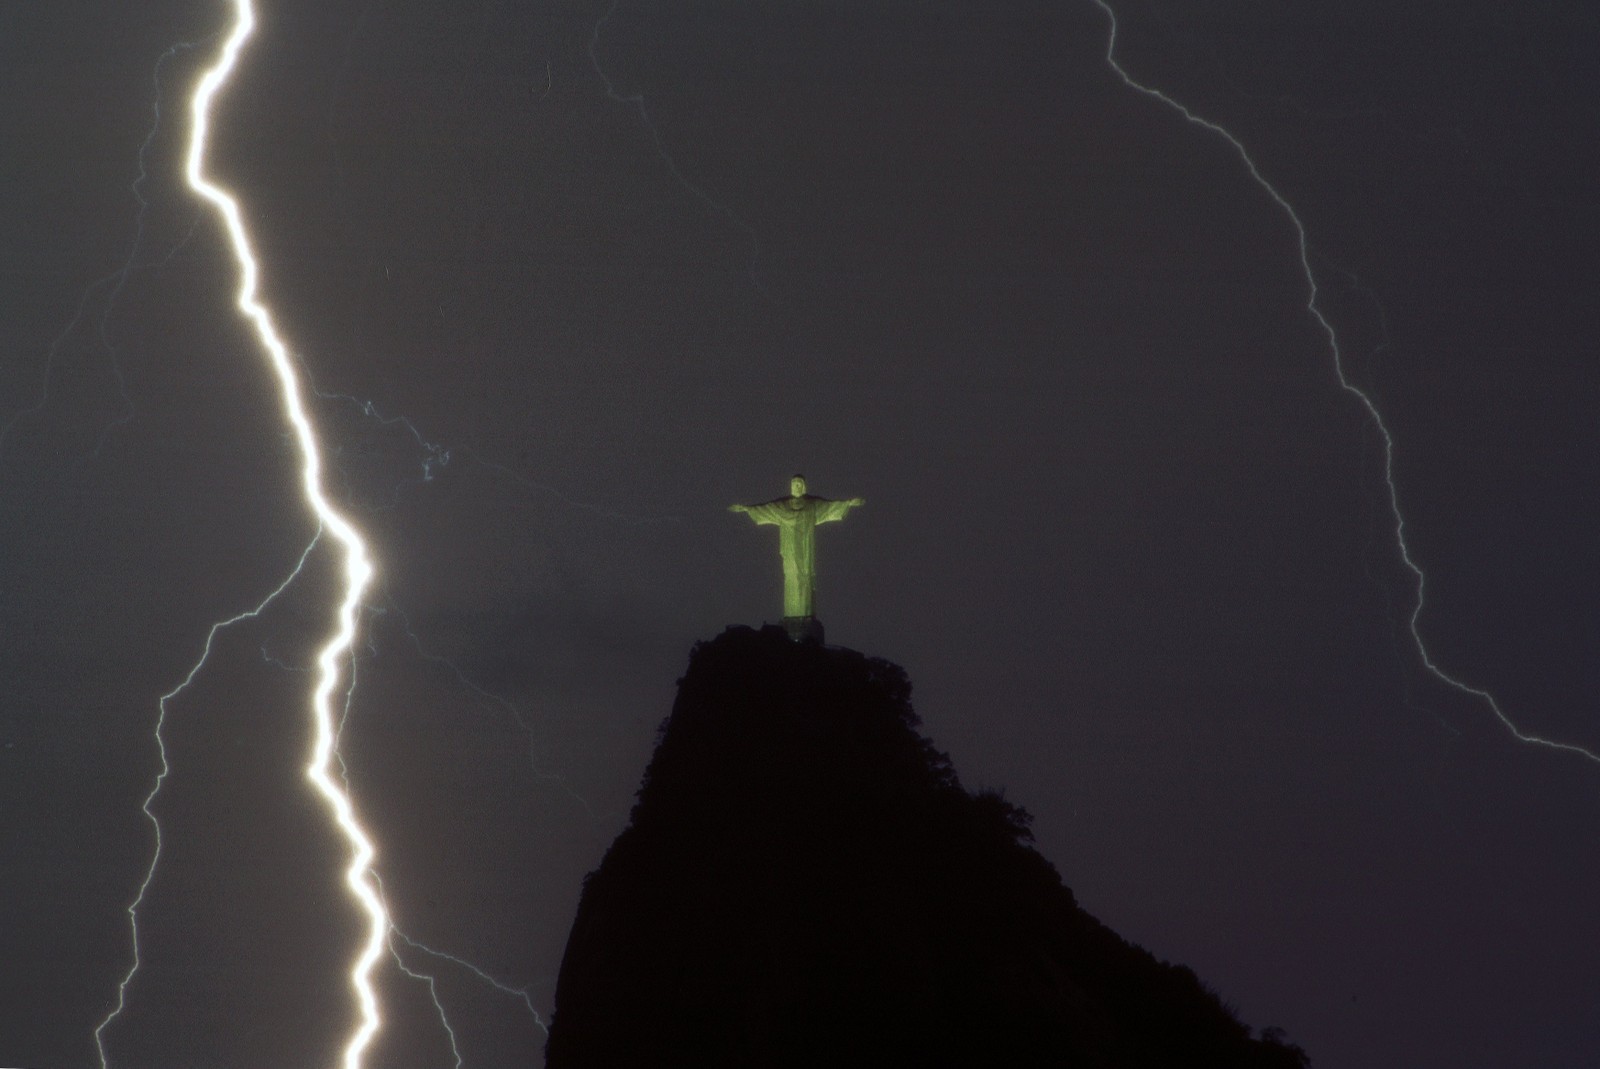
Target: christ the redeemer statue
<point>796,517</point>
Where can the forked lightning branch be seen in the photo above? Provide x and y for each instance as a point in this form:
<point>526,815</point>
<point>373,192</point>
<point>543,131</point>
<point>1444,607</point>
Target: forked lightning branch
<point>1314,309</point>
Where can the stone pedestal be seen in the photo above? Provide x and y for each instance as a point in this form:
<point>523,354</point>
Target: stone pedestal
<point>804,629</point>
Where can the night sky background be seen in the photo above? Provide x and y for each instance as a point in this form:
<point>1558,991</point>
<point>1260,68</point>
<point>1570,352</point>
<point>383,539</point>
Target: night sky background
<point>570,281</point>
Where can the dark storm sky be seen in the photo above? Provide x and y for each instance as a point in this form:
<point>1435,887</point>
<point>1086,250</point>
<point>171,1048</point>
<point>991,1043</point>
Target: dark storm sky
<point>1124,528</point>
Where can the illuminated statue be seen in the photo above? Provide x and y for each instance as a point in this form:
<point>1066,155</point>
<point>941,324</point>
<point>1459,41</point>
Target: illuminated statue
<point>797,517</point>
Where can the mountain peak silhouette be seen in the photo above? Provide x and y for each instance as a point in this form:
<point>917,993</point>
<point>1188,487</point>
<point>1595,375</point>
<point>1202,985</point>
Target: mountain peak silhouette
<point>804,882</point>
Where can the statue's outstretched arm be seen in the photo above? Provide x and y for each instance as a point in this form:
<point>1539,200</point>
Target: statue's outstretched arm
<point>769,512</point>
<point>829,511</point>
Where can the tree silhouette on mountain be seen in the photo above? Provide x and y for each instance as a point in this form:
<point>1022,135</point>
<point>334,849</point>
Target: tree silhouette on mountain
<point>804,882</point>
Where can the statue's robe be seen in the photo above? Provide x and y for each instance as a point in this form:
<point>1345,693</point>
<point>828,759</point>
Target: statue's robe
<point>797,519</point>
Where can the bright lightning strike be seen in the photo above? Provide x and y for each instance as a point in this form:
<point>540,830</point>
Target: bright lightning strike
<point>358,567</point>
<point>1314,308</point>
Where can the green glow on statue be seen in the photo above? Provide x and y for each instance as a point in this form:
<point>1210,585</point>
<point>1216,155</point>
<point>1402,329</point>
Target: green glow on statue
<point>796,517</point>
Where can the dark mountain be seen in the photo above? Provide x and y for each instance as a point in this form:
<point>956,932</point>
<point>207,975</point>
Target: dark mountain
<point>806,883</point>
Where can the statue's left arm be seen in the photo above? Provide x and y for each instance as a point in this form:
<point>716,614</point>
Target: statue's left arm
<point>829,511</point>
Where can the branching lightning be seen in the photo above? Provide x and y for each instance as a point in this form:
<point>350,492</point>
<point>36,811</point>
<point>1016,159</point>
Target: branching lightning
<point>501,702</point>
<point>161,777</point>
<point>432,983</point>
<point>637,102</point>
<point>1313,307</point>
<point>358,568</point>
<point>117,281</point>
<point>433,993</point>
<point>436,457</point>
<point>504,988</point>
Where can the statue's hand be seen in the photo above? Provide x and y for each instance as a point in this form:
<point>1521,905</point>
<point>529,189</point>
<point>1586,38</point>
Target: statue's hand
<point>858,501</point>
<point>738,508</point>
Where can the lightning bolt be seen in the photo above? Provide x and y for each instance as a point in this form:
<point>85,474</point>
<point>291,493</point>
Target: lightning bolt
<point>1314,308</point>
<point>358,567</point>
<point>394,935</point>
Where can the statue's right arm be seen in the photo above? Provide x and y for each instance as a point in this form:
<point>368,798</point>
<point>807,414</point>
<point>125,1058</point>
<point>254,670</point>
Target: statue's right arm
<point>766,512</point>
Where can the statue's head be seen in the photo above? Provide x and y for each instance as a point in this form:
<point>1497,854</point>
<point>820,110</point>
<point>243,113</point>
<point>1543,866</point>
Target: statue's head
<point>797,486</point>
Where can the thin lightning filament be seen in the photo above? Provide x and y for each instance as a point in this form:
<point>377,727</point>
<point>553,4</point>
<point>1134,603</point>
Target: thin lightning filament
<point>1314,308</point>
<point>358,567</point>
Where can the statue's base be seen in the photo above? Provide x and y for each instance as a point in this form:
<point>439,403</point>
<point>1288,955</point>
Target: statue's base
<point>804,629</point>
